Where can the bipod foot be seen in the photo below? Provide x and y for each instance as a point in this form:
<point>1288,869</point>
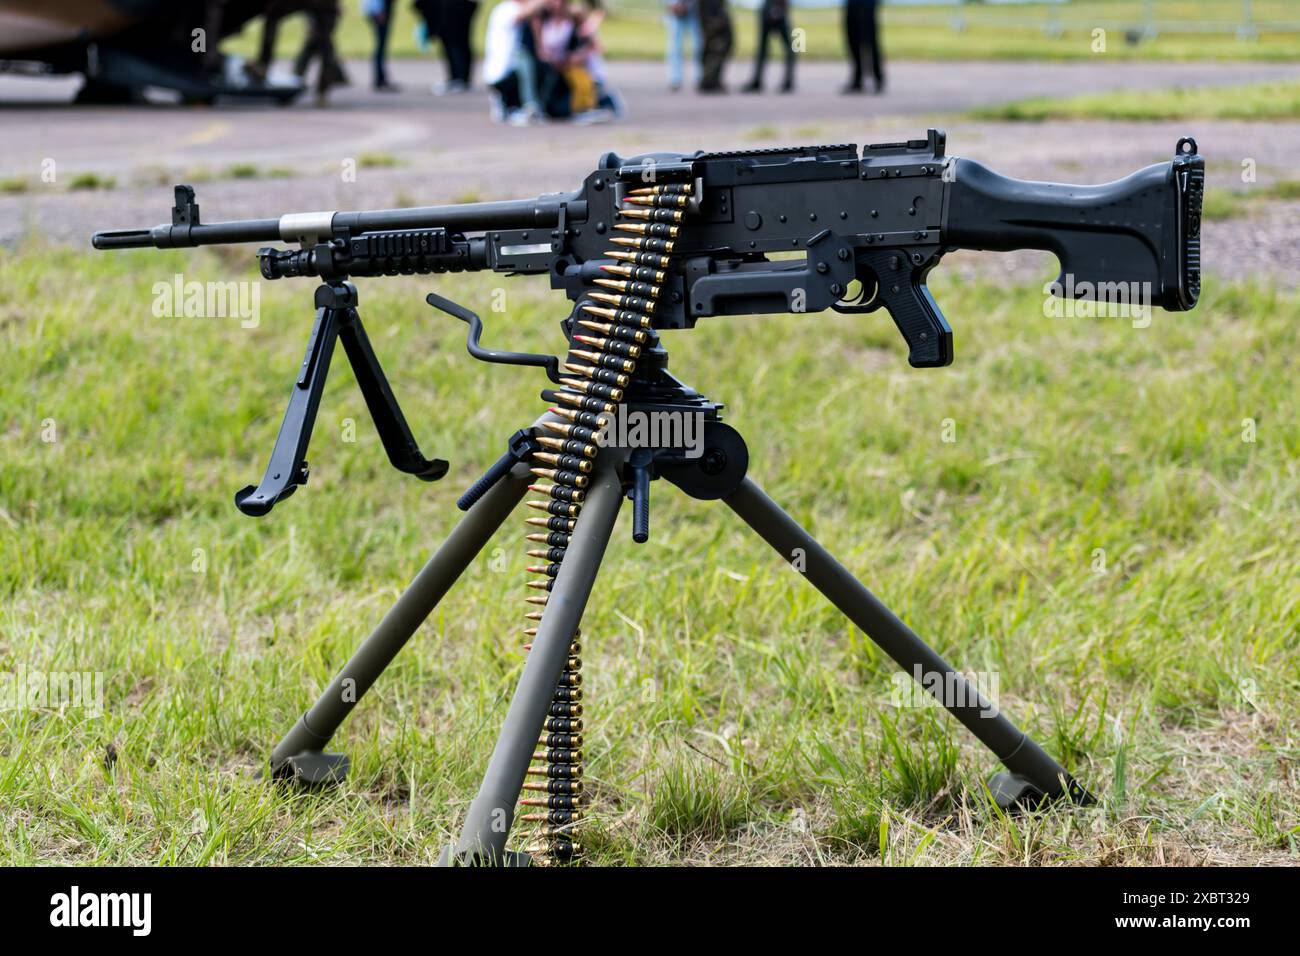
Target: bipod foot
<point>312,769</point>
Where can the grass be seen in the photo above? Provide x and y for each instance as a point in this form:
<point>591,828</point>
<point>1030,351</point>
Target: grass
<point>1259,101</point>
<point>634,30</point>
<point>1230,204</point>
<point>256,171</point>
<point>1099,536</point>
<point>378,161</point>
<point>90,180</point>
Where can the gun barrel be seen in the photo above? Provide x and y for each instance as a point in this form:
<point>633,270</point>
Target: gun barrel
<point>542,212</point>
<point>197,234</point>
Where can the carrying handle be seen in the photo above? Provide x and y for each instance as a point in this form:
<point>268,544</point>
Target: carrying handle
<point>456,310</point>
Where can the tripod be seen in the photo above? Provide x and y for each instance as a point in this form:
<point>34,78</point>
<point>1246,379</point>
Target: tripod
<point>719,473</point>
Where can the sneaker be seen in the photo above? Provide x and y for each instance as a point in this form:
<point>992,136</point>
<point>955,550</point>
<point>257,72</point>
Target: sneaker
<point>614,103</point>
<point>527,116</point>
<point>592,117</point>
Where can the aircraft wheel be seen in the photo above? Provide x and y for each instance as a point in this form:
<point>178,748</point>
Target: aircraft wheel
<point>98,93</point>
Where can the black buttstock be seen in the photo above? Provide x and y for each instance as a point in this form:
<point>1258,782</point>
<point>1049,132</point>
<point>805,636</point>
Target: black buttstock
<point>1142,231</point>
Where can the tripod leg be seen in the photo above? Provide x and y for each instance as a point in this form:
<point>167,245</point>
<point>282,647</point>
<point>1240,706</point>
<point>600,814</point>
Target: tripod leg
<point>487,825</point>
<point>299,754</point>
<point>1034,775</point>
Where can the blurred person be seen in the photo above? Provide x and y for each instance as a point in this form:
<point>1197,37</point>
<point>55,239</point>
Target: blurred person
<point>323,16</point>
<point>450,23</point>
<point>214,22</point>
<point>457,23</point>
<point>861,32</point>
<point>429,26</point>
<point>509,65</point>
<point>590,56</point>
<point>276,10</point>
<point>773,18</point>
<point>682,19</point>
<point>715,26</point>
<point>554,33</point>
<point>380,15</point>
<point>434,25</point>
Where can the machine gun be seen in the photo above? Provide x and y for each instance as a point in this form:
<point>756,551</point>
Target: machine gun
<point>654,243</point>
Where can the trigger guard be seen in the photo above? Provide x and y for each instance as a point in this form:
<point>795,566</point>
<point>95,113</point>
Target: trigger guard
<point>856,306</point>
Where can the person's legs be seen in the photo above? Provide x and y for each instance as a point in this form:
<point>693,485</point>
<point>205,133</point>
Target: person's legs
<point>553,91</point>
<point>270,29</point>
<point>525,71</point>
<point>673,54</point>
<point>716,28</point>
<point>455,67</point>
<point>711,61</point>
<point>726,41</point>
<point>213,23</point>
<point>760,53</point>
<point>695,35</point>
<point>471,8</point>
<point>459,13</point>
<point>784,28</point>
<point>382,25</point>
<point>308,52</point>
<point>853,38</point>
<point>507,91</point>
<point>872,30</point>
<point>331,70</point>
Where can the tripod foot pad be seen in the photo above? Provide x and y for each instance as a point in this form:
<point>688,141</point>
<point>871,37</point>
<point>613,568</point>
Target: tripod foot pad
<point>1013,793</point>
<point>450,858</point>
<point>313,768</point>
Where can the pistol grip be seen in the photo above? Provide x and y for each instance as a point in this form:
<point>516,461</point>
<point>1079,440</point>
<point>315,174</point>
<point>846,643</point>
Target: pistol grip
<point>892,282</point>
<point>926,331</point>
<point>899,287</point>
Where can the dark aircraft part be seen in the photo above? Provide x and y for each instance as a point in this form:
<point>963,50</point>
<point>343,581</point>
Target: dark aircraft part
<point>123,47</point>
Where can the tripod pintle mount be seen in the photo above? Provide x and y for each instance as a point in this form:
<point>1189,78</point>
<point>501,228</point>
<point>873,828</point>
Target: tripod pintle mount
<point>336,319</point>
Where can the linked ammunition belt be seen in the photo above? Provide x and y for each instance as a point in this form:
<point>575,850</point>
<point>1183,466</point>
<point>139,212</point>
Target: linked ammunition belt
<point>616,318</point>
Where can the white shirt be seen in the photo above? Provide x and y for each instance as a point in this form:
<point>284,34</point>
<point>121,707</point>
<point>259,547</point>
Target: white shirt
<point>501,42</point>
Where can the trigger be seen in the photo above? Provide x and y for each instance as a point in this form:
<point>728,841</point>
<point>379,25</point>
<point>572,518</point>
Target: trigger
<point>867,298</point>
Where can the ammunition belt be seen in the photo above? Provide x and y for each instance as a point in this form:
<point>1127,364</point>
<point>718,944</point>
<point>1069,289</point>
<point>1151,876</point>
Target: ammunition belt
<point>614,323</point>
